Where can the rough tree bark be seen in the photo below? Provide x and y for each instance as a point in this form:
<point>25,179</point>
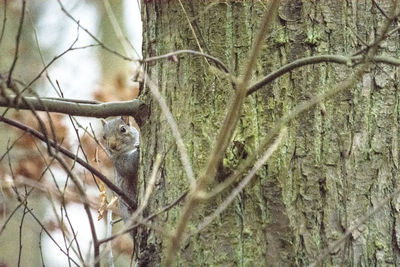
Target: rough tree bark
<point>337,161</point>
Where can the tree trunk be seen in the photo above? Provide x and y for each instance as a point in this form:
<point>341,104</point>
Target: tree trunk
<point>337,161</point>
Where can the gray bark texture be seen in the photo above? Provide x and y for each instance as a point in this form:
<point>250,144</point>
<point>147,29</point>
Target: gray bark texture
<point>338,161</point>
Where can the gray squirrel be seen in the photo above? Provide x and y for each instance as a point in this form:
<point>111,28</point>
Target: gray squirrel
<point>122,145</point>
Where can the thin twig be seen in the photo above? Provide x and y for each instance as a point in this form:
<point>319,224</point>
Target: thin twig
<point>72,119</point>
<point>149,189</point>
<point>393,31</point>
<point>40,51</point>
<point>80,147</point>
<point>50,236</point>
<point>19,33</point>
<point>358,36</point>
<point>175,131</point>
<point>380,9</point>
<point>118,32</point>
<point>3,26</point>
<point>23,201</point>
<point>191,28</point>
<point>16,184</point>
<point>20,98</point>
<point>40,246</point>
<point>81,190</point>
<point>217,61</point>
<point>46,188</point>
<point>44,69</point>
<point>86,206</point>
<point>20,236</point>
<point>389,33</point>
<point>11,146</point>
<point>3,227</point>
<point>42,126</point>
<point>77,251</point>
<point>110,256</point>
<point>101,44</point>
<point>147,219</point>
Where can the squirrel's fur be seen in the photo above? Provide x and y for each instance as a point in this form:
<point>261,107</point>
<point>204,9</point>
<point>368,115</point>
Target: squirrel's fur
<point>122,144</point>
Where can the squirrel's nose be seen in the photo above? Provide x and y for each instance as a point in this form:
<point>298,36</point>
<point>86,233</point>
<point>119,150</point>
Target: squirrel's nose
<point>112,143</point>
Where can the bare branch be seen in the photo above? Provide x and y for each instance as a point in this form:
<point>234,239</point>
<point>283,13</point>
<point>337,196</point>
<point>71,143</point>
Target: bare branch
<point>147,219</point>
<point>217,61</point>
<point>49,235</point>
<point>40,246</point>
<point>135,108</point>
<point>48,189</point>
<point>191,28</point>
<point>3,26</point>
<point>380,9</point>
<point>11,146</point>
<point>44,69</point>
<point>20,235</point>
<point>23,202</point>
<point>349,61</point>
<point>82,192</point>
<point>21,22</point>
<point>118,31</point>
<point>86,206</point>
<point>360,51</point>
<point>149,188</point>
<point>102,45</point>
<point>80,145</point>
<point>3,227</point>
<point>175,131</point>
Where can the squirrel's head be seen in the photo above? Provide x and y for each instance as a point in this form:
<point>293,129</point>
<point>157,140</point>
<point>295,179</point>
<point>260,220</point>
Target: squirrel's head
<point>119,136</point>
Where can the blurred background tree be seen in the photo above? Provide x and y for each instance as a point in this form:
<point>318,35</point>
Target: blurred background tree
<point>84,74</point>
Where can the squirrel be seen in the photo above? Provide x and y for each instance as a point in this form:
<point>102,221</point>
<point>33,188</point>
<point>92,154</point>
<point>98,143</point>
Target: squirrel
<point>122,145</point>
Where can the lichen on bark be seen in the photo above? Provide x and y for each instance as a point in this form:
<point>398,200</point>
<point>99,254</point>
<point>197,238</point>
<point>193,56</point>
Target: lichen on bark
<point>337,161</point>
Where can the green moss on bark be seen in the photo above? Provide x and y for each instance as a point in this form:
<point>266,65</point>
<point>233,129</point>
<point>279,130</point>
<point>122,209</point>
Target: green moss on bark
<point>337,161</point>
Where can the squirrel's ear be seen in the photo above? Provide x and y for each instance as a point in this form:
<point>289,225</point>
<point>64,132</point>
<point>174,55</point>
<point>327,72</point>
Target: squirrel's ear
<point>103,122</point>
<point>125,119</point>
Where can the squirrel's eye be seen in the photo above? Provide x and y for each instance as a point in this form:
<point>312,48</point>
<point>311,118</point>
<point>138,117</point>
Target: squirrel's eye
<point>104,137</point>
<point>122,129</point>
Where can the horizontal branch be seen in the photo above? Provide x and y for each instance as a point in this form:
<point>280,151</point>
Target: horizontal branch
<point>350,61</point>
<point>135,108</point>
